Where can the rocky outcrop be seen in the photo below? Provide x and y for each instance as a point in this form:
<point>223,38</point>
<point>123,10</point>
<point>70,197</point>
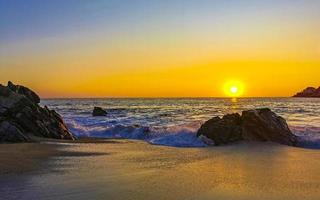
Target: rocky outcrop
<point>98,111</point>
<point>222,130</point>
<point>21,117</point>
<point>32,96</point>
<point>309,92</point>
<point>265,125</point>
<point>252,125</point>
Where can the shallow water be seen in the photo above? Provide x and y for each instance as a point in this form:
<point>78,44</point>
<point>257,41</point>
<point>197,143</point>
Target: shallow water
<point>174,122</point>
<point>137,170</point>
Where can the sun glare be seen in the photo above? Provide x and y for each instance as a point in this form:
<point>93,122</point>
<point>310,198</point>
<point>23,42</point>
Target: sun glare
<point>233,88</point>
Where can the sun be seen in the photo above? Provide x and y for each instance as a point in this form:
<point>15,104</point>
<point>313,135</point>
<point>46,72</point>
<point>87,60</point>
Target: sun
<point>233,88</point>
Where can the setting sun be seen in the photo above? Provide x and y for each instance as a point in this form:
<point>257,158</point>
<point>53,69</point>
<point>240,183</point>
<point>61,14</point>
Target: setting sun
<point>234,88</point>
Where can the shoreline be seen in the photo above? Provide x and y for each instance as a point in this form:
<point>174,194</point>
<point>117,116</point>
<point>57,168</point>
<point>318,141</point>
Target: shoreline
<point>132,169</point>
<point>26,157</point>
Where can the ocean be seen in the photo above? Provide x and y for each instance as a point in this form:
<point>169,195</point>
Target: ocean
<point>175,121</point>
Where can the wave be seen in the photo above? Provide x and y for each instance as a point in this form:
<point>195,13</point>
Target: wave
<point>182,135</point>
<point>178,136</point>
<point>309,136</point>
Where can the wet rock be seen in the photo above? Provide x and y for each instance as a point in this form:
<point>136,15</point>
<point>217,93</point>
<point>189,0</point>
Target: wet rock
<point>98,111</point>
<point>10,133</point>
<point>253,125</point>
<point>24,91</point>
<point>21,118</point>
<point>265,125</point>
<point>222,130</point>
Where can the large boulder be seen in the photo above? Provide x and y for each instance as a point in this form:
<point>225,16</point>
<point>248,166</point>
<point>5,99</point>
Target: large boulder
<point>21,117</point>
<point>265,125</point>
<point>253,125</point>
<point>222,130</point>
<point>98,111</point>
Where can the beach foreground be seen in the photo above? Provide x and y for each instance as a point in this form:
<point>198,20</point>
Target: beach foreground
<point>129,169</point>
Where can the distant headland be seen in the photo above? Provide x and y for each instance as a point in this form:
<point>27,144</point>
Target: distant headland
<point>309,92</point>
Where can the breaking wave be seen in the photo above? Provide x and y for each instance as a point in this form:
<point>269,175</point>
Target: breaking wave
<point>309,136</point>
<point>183,135</point>
<point>177,136</point>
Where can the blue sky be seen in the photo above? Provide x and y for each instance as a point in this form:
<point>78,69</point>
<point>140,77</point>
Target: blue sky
<point>20,19</point>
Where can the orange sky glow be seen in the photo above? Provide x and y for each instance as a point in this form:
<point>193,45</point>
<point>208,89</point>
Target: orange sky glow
<point>175,52</point>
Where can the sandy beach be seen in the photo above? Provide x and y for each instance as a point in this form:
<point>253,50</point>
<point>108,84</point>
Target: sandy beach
<point>129,169</point>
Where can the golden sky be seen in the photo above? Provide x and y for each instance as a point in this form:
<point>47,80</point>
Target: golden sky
<point>162,49</point>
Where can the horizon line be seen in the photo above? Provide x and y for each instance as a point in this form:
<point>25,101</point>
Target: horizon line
<point>221,97</point>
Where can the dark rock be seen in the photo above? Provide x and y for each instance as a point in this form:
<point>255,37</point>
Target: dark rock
<point>4,91</point>
<point>98,111</point>
<point>222,130</point>
<point>21,118</point>
<point>10,133</point>
<point>265,125</point>
<point>253,125</point>
<point>24,91</point>
<point>309,92</point>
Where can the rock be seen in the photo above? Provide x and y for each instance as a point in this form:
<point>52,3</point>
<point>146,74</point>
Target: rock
<point>10,133</point>
<point>98,111</point>
<point>222,130</point>
<point>21,118</point>
<point>24,91</point>
<point>309,92</point>
<point>265,125</point>
<point>253,125</point>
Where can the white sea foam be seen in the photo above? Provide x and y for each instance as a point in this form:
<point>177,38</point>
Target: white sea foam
<point>309,136</point>
<point>179,136</point>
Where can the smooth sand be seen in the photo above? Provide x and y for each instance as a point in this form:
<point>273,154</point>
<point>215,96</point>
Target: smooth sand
<point>126,169</point>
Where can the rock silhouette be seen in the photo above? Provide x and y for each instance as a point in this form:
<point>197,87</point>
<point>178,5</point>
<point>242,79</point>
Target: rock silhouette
<point>309,92</point>
<point>222,130</point>
<point>252,125</point>
<point>22,119</point>
<point>98,111</point>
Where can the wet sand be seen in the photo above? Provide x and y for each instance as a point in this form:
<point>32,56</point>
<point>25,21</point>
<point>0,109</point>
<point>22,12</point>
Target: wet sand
<point>127,169</point>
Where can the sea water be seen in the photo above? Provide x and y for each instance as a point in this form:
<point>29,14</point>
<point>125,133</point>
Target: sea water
<point>175,121</point>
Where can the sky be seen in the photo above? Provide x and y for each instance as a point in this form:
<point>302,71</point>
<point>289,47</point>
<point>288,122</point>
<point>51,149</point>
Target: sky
<point>160,48</point>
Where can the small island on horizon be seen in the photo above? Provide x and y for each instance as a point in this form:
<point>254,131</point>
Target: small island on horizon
<point>309,92</point>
